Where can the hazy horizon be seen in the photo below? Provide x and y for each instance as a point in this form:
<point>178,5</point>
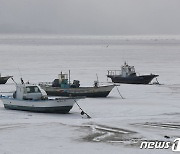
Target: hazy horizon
<point>103,17</point>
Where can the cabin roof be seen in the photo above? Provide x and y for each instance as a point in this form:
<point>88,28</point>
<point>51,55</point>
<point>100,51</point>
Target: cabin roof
<point>27,85</point>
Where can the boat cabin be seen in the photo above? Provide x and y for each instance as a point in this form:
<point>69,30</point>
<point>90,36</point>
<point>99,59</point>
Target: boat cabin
<point>125,71</point>
<point>29,92</point>
<point>63,81</point>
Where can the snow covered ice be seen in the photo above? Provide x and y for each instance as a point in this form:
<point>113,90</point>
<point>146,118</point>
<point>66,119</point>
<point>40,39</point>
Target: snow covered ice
<point>148,112</point>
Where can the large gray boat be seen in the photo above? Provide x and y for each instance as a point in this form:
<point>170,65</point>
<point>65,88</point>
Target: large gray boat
<point>63,87</point>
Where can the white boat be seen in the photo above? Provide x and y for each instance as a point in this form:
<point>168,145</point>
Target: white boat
<point>29,97</point>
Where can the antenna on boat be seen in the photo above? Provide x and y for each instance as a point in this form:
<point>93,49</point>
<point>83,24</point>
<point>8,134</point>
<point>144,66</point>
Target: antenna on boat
<point>20,72</point>
<point>82,112</point>
<point>97,77</point>
<point>96,83</point>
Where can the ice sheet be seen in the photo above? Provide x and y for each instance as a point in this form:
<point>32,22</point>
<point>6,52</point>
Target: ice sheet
<point>148,112</point>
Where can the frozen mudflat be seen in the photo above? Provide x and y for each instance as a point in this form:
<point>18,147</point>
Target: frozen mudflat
<point>148,112</point>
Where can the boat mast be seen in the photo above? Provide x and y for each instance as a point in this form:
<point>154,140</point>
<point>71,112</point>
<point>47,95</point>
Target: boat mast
<point>69,76</point>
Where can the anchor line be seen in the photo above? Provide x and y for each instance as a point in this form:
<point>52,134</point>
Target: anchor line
<point>119,93</point>
<point>82,112</point>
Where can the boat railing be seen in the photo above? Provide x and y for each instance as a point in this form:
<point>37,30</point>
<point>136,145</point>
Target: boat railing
<point>114,72</point>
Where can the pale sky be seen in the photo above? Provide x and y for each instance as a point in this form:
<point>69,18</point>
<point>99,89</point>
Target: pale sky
<point>90,17</point>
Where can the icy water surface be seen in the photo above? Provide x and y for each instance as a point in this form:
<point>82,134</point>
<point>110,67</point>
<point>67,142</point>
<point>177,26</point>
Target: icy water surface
<point>148,112</point>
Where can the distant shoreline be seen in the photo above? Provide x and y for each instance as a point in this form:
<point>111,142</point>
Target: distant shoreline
<point>44,39</point>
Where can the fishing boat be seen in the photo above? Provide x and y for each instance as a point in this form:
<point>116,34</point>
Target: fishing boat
<point>128,75</point>
<point>4,79</point>
<point>63,87</point>
<point>30,97</point>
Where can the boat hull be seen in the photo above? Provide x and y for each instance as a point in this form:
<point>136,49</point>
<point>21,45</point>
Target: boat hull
<point>102,91</point>
<point>143,79</point>
<point>62,109</point>
<point>46,106</point>
<point>3,80</point>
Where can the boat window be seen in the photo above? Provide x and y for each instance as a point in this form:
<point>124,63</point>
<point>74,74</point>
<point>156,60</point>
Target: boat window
<point>32,89</point>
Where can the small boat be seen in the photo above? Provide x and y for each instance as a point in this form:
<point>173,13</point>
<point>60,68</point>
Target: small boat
<point>128,75</point>
<point>4,79</point>
<point>63,87</point>
<point>29,97</point>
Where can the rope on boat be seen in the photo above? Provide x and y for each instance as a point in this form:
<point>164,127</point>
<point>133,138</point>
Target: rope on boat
<point>82,112</point>
<point>119,93</point>
<point>13,80</point>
